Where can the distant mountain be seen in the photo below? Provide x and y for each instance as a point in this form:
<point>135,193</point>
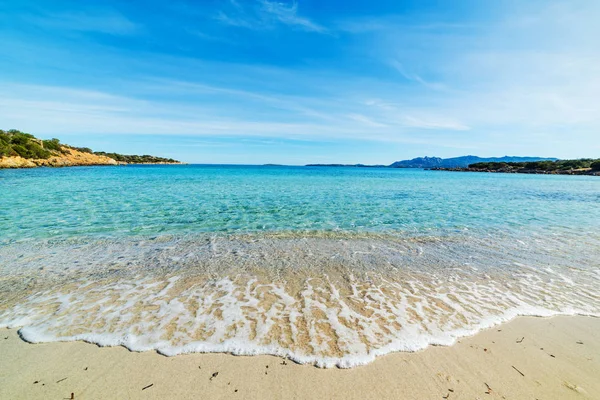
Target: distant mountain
<point>464,161</point>
<point>419,162</point>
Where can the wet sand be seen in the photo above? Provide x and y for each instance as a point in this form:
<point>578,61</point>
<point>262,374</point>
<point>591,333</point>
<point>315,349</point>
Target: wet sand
<point>527,358</point>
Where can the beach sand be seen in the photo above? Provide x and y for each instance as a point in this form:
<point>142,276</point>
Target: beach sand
<point>527,358</point>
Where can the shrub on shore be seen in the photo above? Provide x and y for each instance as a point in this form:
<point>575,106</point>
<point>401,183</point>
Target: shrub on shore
<point>17,143</point>
<point>53,144</point>
<point>546,166</point>
<point>133,159</point>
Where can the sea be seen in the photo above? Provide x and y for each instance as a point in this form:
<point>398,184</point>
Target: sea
<point>331,266</point>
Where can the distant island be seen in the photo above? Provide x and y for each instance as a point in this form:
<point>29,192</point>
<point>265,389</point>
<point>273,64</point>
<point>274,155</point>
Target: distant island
<point>507,164</point>
<point>437,162</point>
<point>23,150</point>
<point>583,166</point>
<point>457,162</point>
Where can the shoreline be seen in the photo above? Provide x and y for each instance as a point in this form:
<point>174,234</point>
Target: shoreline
<point>586,172</point>
<point>22,163</point>
<point>528,357</point>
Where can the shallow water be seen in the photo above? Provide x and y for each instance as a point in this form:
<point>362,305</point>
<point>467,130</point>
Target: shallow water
<point>332,266</point>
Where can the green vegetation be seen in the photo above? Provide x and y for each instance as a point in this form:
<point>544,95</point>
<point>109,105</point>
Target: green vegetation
<point>17,143</point>
<point>132,159</point>
<point>83,149</point>
<point>53,144</point>
<point>545,166</point>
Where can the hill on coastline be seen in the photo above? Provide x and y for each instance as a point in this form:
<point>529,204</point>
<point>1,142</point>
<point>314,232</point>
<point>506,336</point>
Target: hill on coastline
<point>582,166</point>
<point>23,150</point>
<point>437,162</point>
<point>460,162</point>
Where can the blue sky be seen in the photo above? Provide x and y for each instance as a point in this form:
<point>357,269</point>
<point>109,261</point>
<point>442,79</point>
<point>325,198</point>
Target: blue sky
<point>257,81</point>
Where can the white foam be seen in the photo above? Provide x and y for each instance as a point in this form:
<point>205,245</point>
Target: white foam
<point>359,299</point>
<point>320,326</point>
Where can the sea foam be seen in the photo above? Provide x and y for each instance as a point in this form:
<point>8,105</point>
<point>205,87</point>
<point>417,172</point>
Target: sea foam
<point>330,301</point>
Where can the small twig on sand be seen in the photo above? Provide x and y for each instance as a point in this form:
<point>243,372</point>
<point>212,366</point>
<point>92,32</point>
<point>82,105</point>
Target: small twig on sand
<point>520,341</point>
<point>59,381</point>
<point>522,374</point>
<point>149,386</point>
<point>489,391</point>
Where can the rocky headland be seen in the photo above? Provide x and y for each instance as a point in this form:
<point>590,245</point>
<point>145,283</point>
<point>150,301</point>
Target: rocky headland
<point>437,162</point>
<point>584,166</point>
<point>23,150</point>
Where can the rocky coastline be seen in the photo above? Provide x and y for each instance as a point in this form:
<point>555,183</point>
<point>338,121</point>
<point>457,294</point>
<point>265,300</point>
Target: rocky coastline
<point>583,171</point>
<point>23,150</point>
<point>71,158</point>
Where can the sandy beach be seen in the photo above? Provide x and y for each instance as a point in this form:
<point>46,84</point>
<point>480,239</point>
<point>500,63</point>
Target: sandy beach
<point>527,358</point>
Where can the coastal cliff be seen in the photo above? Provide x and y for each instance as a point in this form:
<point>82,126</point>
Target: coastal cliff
<point>23,150</point>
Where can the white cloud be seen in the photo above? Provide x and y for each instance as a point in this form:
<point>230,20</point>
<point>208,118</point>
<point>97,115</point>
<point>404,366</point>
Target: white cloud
<point>264,14</point>
<point>526,78</point>
<point>48,110</point>
<point>411,76</point>
<point>366,121</point>
<point>522,83</point>
<point>288,14</point>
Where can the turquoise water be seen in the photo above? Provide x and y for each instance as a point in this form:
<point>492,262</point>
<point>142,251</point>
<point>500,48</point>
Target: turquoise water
<point>332,266</point>
<point>153,200</point>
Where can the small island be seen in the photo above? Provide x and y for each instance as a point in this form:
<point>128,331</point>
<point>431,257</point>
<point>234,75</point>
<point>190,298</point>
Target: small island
<point>23,150</point>
<point>583,166</point>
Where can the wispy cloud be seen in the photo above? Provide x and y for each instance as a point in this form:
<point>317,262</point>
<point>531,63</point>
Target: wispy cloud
<point>264,14</point>
<point>360,25</point>
<point>523,79</point>
<point>288,15</point>
<point>366,121</point>
<point>433,123</point>
<point>67,110</point>
<point>411,76</point>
